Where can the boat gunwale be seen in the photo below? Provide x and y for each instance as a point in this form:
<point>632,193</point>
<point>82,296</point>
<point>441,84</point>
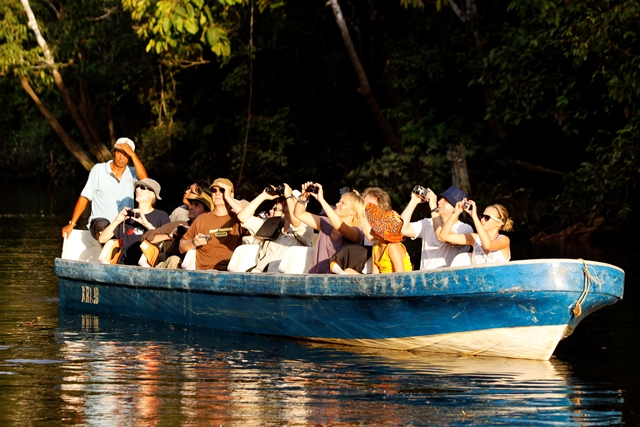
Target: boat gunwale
<point>397,285</point>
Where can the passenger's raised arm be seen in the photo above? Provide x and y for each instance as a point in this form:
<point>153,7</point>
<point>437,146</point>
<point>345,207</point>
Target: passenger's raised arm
<point>446,235</point>
<point>300,211</point>
<point>247,212</point>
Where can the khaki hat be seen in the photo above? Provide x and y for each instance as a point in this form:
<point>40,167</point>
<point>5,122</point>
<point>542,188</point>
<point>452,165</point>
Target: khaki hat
<point>152,184</point>
<point>203,198</point>
<point>124,141</point>
<point>219,181</point>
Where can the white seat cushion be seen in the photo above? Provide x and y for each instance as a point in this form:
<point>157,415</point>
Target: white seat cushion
<point>296,260</point>
<point>462,259</point>
<point>189,261</point>
<point>243,258</point>
<point>81,246</point>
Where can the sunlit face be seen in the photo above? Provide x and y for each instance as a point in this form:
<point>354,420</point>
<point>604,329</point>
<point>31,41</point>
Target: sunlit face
<point>444,206</point>
<point>276,210</point>
<point>120,158</point>
<point>344,208</point>
<point>196,208</point>
<point>191,191</point>
<point>217,194</point>
<point>490,219</point>
<point>144,195</point>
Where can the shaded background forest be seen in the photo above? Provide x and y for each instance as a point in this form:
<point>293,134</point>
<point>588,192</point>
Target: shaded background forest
<point>542,95</point>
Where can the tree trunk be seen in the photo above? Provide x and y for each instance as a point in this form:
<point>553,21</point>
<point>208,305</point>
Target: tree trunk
<point>459,172</point>
<point>97,148</point>
<point>365,89</point>
<point>86,109</point>
<point>78,152</point>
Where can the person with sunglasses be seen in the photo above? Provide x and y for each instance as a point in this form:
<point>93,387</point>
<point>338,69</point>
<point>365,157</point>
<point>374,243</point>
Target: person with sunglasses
<point>109,188</point>
<point>181,213</point>
<point>436,253</point>
<point>293,232</point>
<point>130,224</point>
<point>215,234</point>
<point>489,246</point>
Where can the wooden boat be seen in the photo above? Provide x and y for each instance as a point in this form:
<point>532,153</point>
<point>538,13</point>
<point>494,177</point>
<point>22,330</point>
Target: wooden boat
<point>520,309</point>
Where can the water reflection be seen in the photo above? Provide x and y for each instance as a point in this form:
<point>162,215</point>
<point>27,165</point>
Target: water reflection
<point>129,371</point>
<point>73,368</point>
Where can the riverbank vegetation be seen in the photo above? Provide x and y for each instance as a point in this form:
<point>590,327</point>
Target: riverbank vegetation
<point>530,103</point>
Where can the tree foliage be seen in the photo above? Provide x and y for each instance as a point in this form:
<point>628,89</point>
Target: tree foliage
<point>204,86</point>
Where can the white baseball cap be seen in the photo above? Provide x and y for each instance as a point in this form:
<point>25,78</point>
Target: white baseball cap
<point>124,141</point>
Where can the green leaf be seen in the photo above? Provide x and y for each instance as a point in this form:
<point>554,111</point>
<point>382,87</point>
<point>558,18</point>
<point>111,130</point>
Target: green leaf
<point>181,11</point>
<point>212,36</point>
<point>191,26</point>
<point>166,26</point>
<point>207,10</point>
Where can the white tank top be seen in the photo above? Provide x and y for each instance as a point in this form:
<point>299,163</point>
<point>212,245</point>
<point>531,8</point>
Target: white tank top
<point>479,257</point>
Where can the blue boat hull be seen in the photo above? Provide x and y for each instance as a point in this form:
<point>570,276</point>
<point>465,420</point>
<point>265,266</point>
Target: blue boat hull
<point>496,310</point>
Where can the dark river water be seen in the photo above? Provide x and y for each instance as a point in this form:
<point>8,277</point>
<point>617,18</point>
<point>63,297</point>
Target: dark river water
<point>59,367</point>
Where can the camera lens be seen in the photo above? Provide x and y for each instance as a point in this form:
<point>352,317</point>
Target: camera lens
<point>312,189</point>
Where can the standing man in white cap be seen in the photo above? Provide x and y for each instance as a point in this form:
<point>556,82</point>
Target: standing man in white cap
<point>109,188</point>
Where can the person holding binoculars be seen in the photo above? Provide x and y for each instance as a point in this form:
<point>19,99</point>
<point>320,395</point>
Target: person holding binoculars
<point>341,226</point>
<point>291,231</point>
<point>436,252</point>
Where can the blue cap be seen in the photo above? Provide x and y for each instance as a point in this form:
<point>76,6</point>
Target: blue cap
<point>453,195</point>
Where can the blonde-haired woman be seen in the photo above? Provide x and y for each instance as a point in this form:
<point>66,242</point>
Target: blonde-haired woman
<point>489,246</point>
<point>340,227</point>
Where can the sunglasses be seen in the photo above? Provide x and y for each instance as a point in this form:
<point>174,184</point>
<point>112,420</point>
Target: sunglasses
<point>488,217</point>
<point>144,187</point>
<point>214,190</point>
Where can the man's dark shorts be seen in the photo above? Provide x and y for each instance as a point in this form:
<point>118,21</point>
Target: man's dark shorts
<point>97,226</point>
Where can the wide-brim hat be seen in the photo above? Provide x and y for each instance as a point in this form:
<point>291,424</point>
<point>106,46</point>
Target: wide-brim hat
<point>152,184</point>
<point>125,141</point>
<point>386,224</point>
<point>453,195</point>
<point>219,181</point>
<point>203,198</point>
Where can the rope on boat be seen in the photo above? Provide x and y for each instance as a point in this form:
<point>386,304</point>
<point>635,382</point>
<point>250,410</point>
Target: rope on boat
<point>577,309</point>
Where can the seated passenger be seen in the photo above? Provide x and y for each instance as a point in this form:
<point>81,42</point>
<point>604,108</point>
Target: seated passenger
<point>339,228</point>
<point>389,255</point>
<point>181,213</point>
<point>488,245</point>
<point>130,224</point>
<point>352,259</point>
<point>436,252</point>
<point>164,242</point>
<point>215,234</point>
<point>293,232</point>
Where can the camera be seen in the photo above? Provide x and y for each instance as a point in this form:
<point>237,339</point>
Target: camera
<point>420,191</point>
<point>206,237</point>
<point>466,205</point>
<point>263,215</point>
<point>131,214</point>
<point>279,190</point>
<point>312,189</point>
<point>181,230</point>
